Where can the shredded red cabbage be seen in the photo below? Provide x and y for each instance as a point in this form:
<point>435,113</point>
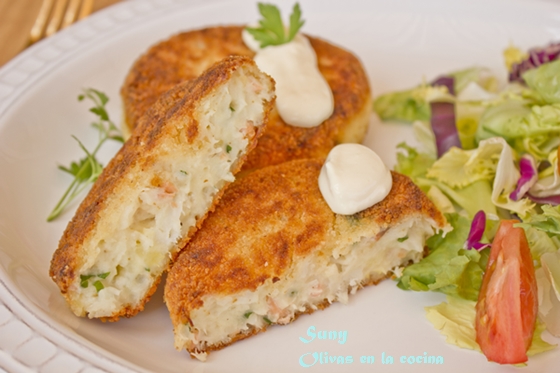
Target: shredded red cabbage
<point>475,234</point>
<point>529,176</point>
<point>443,125</point>
<point>550,200</point>
<point>446,81</point>
<point>537,57</point>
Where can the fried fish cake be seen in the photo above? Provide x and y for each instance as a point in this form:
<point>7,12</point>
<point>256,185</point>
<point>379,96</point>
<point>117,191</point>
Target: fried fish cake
<point>158,189</point>
<point>185,55</point>
<point>273,249</point>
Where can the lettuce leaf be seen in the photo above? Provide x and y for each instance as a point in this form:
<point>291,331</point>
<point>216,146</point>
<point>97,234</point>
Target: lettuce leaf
<point>472,198</point>
<point>467,117</point>
<point>548,283</point>
<point>425,135</point>
<point>412,163</point>
<point>549,179</point>
<point>448,268</point>
<point>456,321</point>
<point>551,265</point>
<point>440,200</point>
<point>506,119</point>
<point>459,168</point>
<point>481,76</point>
<point>409,105</point>
<point>544,80</point>
<point>542,231</point>
<point>547,221</point>
<point>414,104</point>
<point>493,159</point>
<point>539,345</point>
<point>526,127</point>
<point>539,242</point>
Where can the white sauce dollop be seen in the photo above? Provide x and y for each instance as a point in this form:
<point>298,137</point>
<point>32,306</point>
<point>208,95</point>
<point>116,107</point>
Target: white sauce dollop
<point>303,96</point>
<point>354,178</point>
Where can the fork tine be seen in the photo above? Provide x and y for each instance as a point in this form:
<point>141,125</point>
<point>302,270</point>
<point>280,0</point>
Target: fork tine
<point>71,12</point>
<point>56,18</point>
<point>85,10</point>
<point>39,25</point>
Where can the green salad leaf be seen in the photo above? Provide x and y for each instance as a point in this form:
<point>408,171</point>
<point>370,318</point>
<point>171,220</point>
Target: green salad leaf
<point>527,118</point>
<point>547,221</point>
<point>478,75</point>
<point>542,229</point>
<point>448,268</point>
<point>515,121</point>
<point>544,81</point>
<point>412,163</point>
<point>504,119</point>
<point>467,118</point>
<point>459,168</point>
<point>472,198</point>
<point>539,345</point>
<point>540,242</point>
<point>493,160</point>
<point>425,135</point>
<point>548,282</point>
<point>414,104</point>
<point>455,319</point>
<point>409,105</point>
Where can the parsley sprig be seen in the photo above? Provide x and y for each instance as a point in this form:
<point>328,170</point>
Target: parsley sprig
<point>88,169</point>
<point>271,30</point>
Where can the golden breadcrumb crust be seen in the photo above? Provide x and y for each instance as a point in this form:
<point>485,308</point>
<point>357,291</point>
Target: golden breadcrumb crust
<point>172,116</point>
<point>276,215</point>
<point>185,55</point>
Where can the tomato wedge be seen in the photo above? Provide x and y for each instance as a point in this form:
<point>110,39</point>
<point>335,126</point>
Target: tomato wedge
<point>507,306</point>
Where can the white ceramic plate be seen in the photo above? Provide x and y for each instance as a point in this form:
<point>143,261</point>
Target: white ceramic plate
<point>399,42</point>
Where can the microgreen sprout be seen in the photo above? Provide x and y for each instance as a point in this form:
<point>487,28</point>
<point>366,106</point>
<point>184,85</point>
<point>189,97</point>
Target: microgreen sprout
<point>88,169</point>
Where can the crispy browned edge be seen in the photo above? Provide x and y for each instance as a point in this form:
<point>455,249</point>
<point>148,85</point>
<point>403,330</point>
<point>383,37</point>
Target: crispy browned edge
<point>175,59</point>
<point>141,150</point>
<point>205,267</point>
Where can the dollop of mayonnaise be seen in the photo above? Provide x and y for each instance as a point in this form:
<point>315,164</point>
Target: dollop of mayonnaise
<point>354,178</point>
<point>303,96</point>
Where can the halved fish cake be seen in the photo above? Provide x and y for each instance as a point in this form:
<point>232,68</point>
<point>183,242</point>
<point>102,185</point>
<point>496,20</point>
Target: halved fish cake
<point>157,190</point>
<point>184,56</point>
<point>273,249</point>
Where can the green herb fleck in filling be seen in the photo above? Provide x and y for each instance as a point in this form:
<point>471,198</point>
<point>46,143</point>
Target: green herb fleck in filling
<point>98,286</point>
